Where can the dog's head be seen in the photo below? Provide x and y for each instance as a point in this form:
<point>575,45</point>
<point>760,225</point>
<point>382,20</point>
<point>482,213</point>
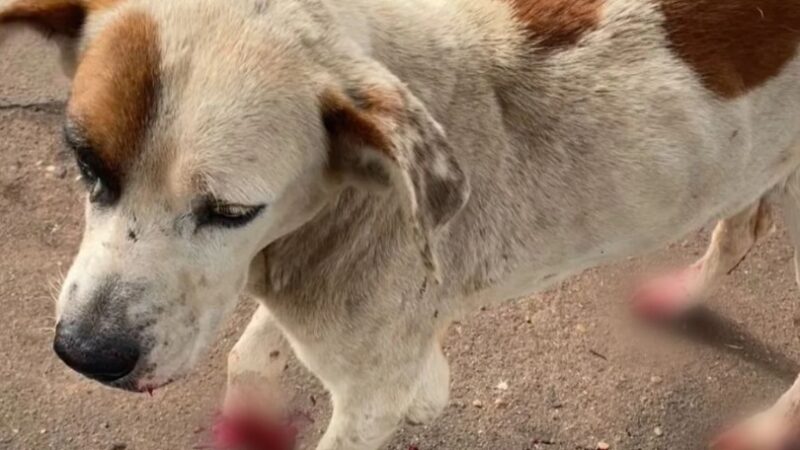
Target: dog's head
<point>204,131</point>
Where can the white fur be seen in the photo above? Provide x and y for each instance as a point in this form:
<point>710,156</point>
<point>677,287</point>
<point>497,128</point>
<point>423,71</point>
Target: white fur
<point>574,158</point>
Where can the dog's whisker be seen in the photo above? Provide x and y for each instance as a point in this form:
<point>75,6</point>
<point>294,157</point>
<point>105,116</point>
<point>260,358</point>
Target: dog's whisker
<point>54,283</point>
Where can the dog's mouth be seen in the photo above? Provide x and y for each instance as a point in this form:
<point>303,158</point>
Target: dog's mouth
<point>150,388</point>
<point>139,382</point>
<point>139,387</point>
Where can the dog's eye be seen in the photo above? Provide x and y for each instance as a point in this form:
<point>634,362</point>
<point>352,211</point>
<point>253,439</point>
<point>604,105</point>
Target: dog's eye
<point>87,173</point>
<point>98,191</point>
<point>103,188</point>
<point>218,213</point>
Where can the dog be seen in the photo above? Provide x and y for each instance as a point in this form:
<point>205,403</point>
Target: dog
<point>371,170</point>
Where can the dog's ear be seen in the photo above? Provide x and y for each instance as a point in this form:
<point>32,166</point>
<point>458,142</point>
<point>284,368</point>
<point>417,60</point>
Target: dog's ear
<point>382,136</point>
<point>59,18</point>
<point>62,20</point>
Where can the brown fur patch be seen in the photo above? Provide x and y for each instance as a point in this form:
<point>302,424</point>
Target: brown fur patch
<point>61,17</point>
<point>353,126</point>
<point>115,89</point>
<point>357,125</point>
<point>558,23</point>
<point>734,45</point>
<point>379,102</point>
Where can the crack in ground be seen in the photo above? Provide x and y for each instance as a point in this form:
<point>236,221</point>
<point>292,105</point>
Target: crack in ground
<point>50,107</point>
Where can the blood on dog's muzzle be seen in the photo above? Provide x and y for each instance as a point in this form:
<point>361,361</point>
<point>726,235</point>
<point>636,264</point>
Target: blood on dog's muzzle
<point>105,356</point>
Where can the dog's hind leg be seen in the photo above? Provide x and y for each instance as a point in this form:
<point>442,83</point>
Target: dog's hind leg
<point>255,365</point>
<point>790,205</point>
<point>669,296</point>
<point>777,428</point>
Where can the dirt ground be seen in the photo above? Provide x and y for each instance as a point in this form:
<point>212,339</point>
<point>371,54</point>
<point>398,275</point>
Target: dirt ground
<point>578,369</point>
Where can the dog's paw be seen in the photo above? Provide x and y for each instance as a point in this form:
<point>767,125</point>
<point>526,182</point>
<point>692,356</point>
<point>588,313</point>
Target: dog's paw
<point>235,432</point>
<point>667,297</point>
<point>254,398</point>
<point>765,431</point>
<point>253,420</point>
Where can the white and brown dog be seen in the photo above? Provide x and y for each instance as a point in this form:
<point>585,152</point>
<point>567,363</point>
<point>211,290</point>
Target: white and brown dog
<point>374,169</point>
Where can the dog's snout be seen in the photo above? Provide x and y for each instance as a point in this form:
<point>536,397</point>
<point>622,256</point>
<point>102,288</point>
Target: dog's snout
<point>103,356</point>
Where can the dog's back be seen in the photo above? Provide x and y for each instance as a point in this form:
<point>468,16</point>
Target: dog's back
<point>617,126</point>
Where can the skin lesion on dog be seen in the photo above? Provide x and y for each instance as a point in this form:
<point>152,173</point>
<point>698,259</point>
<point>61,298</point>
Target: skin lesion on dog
<point>261,7</point>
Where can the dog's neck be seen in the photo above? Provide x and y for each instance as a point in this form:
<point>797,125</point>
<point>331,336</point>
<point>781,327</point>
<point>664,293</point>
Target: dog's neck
<point>447,52</point>
<point>432,45</point>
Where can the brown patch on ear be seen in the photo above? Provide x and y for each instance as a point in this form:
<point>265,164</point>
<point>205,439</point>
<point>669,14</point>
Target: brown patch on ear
<point>53,17</point>
<point>377,101</point>
<point>115,90</point>
<point>558,23</point>
<point>344,121</point>
<point>734,45</point>
<point>355,140</point>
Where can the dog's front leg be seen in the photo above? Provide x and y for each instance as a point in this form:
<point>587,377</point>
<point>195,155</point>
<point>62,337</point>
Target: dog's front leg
<point>255,365</point>
<point>369,405</point>
<point>365,418</point>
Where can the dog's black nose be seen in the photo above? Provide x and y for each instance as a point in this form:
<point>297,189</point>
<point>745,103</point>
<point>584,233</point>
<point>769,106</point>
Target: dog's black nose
<point>102,356</point>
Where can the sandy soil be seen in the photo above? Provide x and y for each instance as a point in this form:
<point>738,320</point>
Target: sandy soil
<point>579,370</point>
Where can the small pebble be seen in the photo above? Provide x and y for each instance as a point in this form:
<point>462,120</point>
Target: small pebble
<point>502,386</point>
<point>658,431</point>
<point>500,403</point>
<point>477,404</point>
<point>603,446</point>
